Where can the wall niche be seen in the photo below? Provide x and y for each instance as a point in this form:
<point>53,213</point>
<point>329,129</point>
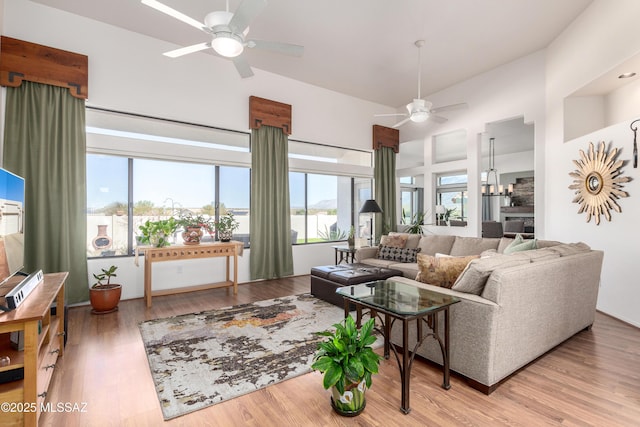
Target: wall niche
<point>612,98</point>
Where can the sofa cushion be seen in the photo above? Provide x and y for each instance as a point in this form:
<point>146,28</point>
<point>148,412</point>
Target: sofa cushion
<point>547,243</point>
<point>432,244</point>
<point>408,269</point>
<point>519,244</point>
<point>394,240</point>
<point>412,239</point>
<point>463,246</point>
<point>475,275</point>
<point>397,254</point>
<point>566,249</point>
<point>537,255</point>
<point>378,262</point>
<point>441,271</point>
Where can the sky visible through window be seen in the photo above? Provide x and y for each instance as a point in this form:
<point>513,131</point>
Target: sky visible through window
<point>157,181</point>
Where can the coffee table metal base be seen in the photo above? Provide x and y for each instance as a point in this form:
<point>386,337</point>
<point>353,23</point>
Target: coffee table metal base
<point>387,319</point>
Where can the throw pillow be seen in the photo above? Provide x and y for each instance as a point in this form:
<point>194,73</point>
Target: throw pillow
<point>443,271</point>
<point>473,279</point>
<point>519,244</point>
<point>390,253</point>
<point>394,240</point>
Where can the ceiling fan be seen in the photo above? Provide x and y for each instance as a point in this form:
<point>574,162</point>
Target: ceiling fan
<point>419,110</point>
<point>229,32</point>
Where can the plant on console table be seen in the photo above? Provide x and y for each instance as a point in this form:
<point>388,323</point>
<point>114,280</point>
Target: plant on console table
<point>104,295</point>
<point>225,227</point>
<point>194,227</point>
<point>157,233</point>
<point>347,361</point>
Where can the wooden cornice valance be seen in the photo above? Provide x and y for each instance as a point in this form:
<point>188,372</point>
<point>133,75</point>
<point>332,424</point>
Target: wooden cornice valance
<point>21,60</point>
<point>386,137</point>
<point>271,113</point>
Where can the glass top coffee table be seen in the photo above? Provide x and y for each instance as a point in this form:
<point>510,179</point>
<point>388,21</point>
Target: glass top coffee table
<point>388,301</point>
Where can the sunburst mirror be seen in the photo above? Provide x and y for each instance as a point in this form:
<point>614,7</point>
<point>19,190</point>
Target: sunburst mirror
<point>598,183</point>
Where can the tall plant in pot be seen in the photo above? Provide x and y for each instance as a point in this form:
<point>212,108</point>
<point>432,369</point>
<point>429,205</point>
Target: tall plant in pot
<point>104,295</point>
<point>347,361</point>
<point>225,226</point>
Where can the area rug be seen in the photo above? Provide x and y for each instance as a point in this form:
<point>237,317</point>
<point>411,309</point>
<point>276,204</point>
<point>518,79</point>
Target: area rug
<point>200,359</point>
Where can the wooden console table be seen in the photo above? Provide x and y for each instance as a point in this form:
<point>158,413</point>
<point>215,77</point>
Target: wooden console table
<point>182,252</point>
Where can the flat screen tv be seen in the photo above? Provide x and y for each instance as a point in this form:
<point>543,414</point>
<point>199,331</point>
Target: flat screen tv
<point>11,224</point>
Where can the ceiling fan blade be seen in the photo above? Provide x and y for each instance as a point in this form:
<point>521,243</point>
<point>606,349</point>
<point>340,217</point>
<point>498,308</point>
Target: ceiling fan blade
<point>400,123</point>
<point>389,115</point>
<point>277,47</point>
<point>437,119</point>
<point>245,13</point>
<point>243,67</point>
<point>174,13</point>
<point>450,107</point>
<point>188,49</point>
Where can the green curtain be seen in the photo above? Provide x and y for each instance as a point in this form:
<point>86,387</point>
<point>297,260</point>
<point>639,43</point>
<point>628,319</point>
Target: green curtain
<point>45,142</point>
<point>384,174</point>
<point>271,254</point>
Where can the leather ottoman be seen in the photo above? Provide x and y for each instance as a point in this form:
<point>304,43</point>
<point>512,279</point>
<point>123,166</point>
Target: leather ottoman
<point>326,279</point>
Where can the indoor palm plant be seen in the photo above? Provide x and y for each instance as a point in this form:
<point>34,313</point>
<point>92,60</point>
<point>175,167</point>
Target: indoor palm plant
<point>104,295</point>
<point>347,361</point>
<point>416,223</point>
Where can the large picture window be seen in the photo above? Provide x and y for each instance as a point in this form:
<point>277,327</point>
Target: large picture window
<point>107,205</point>
<point>323,206</point>
<point>141,168</point>
<point>159,189</point>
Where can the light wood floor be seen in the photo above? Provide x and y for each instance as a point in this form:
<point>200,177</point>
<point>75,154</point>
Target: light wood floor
<point>592,379</point>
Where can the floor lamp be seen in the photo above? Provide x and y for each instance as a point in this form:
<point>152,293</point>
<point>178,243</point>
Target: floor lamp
<point>371,207</point>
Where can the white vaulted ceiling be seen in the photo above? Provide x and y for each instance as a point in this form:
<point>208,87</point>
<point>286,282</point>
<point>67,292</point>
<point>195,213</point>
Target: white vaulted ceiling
<point>365,48</point>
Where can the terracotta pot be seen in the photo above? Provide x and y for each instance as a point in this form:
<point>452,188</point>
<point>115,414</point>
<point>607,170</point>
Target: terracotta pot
<point>105,299</point>
<point>192,235</point>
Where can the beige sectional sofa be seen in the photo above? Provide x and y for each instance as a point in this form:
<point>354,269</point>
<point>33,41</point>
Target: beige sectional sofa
<point>513,308</point>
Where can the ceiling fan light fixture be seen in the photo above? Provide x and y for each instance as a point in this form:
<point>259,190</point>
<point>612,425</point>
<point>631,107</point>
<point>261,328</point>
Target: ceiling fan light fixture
<point>227,45</point>
<point>419,116</point>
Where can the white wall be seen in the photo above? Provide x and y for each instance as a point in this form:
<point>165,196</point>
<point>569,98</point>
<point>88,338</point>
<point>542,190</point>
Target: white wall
<point>603,36</point>
<point>512,90</point>
<point>127,72</point>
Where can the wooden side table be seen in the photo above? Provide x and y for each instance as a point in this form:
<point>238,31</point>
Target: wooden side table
<point>345,253</point>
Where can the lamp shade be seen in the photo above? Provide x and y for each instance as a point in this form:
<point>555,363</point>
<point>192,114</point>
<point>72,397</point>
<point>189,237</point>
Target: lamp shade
<point>440,209</point>
<point>370,206</point>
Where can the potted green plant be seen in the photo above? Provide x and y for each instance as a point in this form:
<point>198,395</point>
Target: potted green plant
<point>447,215</point>
<point>417,221</point>
<point>104,295</point>
<point>194,226</point>
<point>351,238</point>
<point>157,233</point>
<point>225,226</point>
<point>347,361</point>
